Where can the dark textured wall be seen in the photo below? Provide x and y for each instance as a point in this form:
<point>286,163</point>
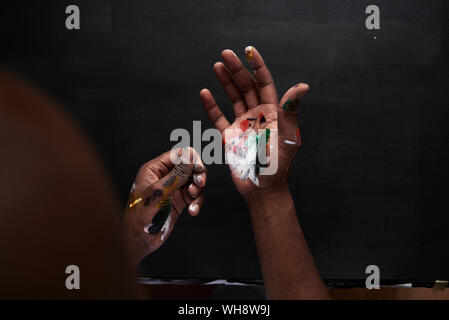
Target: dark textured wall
<point>371,180</point>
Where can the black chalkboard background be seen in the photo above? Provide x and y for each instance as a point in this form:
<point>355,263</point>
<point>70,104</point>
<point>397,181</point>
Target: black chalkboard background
<point>372,178</point>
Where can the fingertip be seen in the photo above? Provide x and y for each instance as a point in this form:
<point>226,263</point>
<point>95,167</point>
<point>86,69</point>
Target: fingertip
<point>218,65</point>
<point>221,72</point>
<point>304,87</point>
<point>193,191</point>
<point>249,52</point>
<point>199,179</point>
<point>227,52</point>
<point>204,92</point>
<point>295,92</point>
<point>206,97</point>
<point>194,209</point>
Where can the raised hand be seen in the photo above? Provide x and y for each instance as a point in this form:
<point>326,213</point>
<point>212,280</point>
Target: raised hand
<point>256,106</point>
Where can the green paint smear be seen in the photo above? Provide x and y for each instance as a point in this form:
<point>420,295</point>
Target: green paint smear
<point>288,105</point>
<point>267,135</point>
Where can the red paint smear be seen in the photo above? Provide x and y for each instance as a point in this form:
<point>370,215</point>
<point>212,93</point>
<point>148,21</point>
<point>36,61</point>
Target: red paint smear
<point>260,115</point>
<point>298,138</point>
<point>244,125</point>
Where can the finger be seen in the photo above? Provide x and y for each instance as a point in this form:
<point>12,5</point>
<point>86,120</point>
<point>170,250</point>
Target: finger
<point>193,191</point>
<point>175,179</point>
<point>287,116</point>
<point>291,98</point>
<point>264,80</point>
<point>198,182</point>
<point>199,165</point>
<point>231,89</point>
<point>196,205</point>
<point>200,179</point>
<point>162,164</point>
<point>242,78</point>
<point>213,111</point>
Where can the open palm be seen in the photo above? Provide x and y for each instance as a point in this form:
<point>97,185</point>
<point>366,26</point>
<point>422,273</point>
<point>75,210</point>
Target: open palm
<point>256,105</point>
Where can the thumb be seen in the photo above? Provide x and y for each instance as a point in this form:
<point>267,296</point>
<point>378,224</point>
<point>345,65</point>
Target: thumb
<point>288,116</point>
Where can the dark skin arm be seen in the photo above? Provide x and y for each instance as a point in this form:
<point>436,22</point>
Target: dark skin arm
<point>287,265</point>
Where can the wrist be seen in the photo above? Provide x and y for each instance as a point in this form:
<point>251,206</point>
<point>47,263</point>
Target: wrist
<point>263,194</point>
<point>263,203</point>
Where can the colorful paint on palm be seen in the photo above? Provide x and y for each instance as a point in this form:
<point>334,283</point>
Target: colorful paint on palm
<point>242,150</point>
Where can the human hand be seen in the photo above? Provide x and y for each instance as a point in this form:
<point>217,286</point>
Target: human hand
<point>159,194</point>
<point>256,106</point>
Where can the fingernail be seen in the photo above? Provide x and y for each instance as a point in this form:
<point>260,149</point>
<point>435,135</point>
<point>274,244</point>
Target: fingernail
<point>198,179</point>
<point>249,53</point>
<point>193,208</point>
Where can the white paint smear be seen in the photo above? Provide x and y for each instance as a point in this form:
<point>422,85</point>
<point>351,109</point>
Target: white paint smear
<point>165,228</point>
<point>241,155</point>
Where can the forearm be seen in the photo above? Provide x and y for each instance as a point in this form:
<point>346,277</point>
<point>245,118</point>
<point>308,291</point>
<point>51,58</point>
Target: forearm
<point>287,265</point>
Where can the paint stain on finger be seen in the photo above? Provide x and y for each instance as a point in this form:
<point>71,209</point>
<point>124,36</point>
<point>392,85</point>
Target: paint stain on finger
<point>298,138</point>
<point>170,185</point>
<point>194,208</point>
<point>166,228</point>
<point>290,105</point>
<point>132,204</point>
<point>249,53</point>
<point>198,180</point>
